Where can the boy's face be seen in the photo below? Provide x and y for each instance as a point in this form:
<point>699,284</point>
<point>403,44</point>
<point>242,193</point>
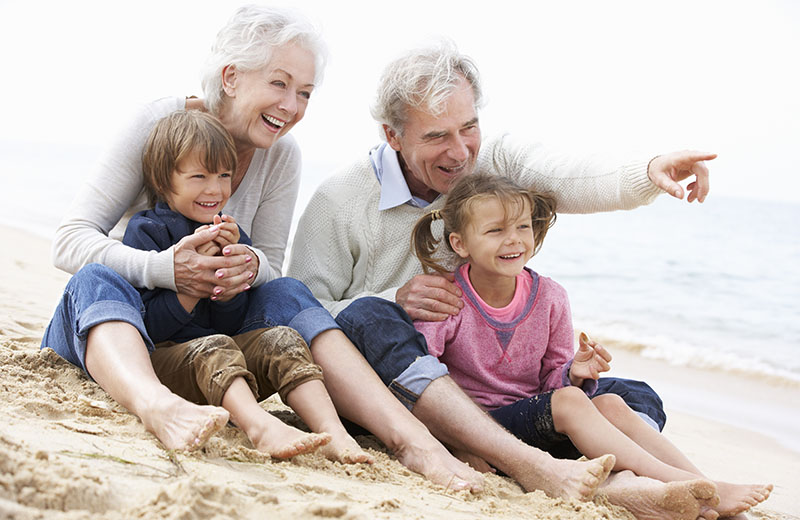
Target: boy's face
<point>198,194</point>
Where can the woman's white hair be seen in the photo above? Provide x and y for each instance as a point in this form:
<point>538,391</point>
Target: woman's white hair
<point>248,40</point>
<point>423,79</point>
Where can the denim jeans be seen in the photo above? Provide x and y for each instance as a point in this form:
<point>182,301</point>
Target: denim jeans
<point>97,294</point>
<point>384,333</point>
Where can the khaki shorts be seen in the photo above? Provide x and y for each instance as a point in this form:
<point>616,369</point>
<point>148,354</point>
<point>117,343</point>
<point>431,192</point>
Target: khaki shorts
<point>270,360</point>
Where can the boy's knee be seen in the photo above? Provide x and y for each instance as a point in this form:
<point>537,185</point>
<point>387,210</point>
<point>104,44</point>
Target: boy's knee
<point>284,341</point>
<point>208,345</point>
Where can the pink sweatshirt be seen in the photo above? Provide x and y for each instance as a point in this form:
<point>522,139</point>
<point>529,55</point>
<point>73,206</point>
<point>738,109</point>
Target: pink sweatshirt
<point>498,363</point>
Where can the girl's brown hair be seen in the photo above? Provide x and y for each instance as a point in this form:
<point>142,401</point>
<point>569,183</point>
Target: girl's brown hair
<point>456,213</point>
<point>176,137</point>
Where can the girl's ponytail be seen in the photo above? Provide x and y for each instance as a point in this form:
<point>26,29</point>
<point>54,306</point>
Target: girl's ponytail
<point>424,244</point>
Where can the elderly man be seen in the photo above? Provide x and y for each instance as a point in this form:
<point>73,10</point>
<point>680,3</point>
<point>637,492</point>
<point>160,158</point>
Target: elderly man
<point>352,243</point>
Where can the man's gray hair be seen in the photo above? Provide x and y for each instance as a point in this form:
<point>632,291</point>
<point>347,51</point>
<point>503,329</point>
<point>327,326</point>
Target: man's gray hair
<point>248,40</point>
<point>423,79</point>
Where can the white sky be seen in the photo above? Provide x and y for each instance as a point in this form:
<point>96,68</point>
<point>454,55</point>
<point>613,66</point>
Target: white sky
<point>620,77</point>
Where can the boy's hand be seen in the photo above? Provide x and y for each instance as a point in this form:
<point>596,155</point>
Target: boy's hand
<point>590,360</point>
<point>228,231</point>
<point>209,248</point>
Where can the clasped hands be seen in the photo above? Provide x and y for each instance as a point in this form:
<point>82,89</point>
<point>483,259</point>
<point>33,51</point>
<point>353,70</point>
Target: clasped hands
<point>212,264</point>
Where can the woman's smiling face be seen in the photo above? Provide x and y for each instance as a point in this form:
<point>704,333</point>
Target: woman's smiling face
<point>263,105</point>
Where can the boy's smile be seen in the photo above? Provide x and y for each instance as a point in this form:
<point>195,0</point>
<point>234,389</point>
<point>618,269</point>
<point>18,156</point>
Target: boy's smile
<point>196,193</point>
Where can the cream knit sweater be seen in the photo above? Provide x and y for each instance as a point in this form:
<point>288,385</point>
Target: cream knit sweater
<point>345,248</point>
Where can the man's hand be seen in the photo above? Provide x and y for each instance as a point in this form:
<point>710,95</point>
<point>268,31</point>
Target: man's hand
<point>430,297</point>
<point>590,359</point>
<point>212,277</point>
<point>666,171</point>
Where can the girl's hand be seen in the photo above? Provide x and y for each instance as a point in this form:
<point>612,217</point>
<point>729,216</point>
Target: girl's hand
<point>228,231</point>
<point>590,360</point>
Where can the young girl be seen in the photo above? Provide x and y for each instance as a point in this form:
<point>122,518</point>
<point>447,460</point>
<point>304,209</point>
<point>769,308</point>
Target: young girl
<point>511,346</point>
<point>204,352</point>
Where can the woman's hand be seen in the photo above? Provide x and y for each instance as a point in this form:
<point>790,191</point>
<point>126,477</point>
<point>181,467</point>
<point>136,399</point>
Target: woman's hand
<point>212,276</point>
<point>249,273</point>
<point>590,359</point>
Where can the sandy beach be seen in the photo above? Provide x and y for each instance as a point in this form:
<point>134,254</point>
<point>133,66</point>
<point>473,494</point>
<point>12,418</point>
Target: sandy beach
<point>68,451</point>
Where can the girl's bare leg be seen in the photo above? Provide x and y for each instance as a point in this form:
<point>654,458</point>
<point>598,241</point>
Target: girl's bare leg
<point>267,433</point>
<point>313,404</point>
<point>117,358</point>
<point>455,419</point>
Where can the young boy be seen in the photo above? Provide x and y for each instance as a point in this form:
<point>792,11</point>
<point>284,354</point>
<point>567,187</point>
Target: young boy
<point>201,353</point>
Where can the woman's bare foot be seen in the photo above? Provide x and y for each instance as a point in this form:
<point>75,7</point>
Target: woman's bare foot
<point>567,478</point>
<point>738,498</point>
<point>281,441</point>
<point>181,425</point>
<point>430,458</point>
<point>650,499</point>
<point>346,450</point>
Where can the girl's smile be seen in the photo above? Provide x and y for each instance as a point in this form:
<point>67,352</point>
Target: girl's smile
<point>498,241</point>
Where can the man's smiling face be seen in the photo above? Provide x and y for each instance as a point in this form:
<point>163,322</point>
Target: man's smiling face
<point>435,151</point>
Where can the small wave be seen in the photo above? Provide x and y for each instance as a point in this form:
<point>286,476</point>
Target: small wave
<point>681,353</point>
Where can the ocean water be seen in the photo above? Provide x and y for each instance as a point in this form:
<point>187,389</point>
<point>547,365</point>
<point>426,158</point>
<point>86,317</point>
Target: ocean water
<point>715,285</point>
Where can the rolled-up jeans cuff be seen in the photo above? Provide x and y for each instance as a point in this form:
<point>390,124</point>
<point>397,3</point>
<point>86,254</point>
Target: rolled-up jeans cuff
<point>311,322</point>
<point>649,420</point>
<point>410,384</point>
<point>106,311</point>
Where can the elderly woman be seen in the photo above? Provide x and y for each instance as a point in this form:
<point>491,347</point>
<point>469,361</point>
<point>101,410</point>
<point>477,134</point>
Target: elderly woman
<point>263,69</point>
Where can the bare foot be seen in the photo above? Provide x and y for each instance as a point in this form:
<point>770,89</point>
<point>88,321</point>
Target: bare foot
<point>738,498</point>
<point>649,499</point>
<point>566,478</point>
<point>281,441</point>
<point>434,462</point>
<point>181,425</point>
<point>346,450</point>
<point>474,461</point>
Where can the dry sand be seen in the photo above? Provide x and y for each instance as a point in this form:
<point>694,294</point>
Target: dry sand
<point>67,451</point>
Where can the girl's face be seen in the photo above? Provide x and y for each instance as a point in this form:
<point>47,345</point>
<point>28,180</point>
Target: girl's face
<point>263,105</point>
<point>497,240</point>
<point>198,194</point>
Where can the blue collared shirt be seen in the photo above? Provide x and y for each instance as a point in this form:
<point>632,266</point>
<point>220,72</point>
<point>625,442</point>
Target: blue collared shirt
<point>394,188</point>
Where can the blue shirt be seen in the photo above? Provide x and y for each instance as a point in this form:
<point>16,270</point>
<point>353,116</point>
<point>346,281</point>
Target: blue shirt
<point>165,318</point>
<point>394,188</point>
